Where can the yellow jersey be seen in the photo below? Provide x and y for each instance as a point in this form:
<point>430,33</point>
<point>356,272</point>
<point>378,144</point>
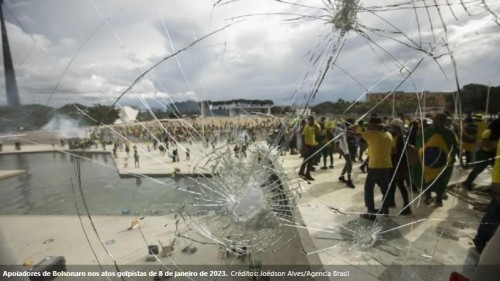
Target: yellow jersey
<point>309,133</point>
<point>490,144</point>
<point>380,148</point>
<point>495,175</point>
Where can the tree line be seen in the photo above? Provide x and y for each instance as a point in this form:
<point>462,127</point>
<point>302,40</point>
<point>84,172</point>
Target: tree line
<point>471,98</point>
<point>35,116</point>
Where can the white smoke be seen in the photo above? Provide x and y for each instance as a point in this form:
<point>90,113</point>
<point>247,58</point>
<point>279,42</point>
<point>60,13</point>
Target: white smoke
<point>65,127</point>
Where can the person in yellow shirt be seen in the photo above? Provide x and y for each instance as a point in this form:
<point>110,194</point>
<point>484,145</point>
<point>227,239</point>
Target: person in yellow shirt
<point>381,147</point>
<point>491,219</point>
<point>309,142</point>
<point>486,154</point>
<point>469,133</point>
<point>481,126</point>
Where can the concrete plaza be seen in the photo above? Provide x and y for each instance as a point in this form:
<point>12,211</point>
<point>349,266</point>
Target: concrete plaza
<point>328,225</point>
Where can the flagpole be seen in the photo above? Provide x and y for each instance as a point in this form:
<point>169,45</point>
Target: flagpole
<point>487,101</point>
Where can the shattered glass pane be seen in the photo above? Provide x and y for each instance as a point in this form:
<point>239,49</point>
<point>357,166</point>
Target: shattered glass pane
<point>243,211</point>
<point>206,189</point>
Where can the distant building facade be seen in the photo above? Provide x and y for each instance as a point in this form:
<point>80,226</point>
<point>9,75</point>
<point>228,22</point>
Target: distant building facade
<point>235,107</point>
<point>432,101</point>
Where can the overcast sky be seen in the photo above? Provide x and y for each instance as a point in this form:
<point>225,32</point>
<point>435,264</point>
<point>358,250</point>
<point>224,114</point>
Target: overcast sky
<point>91,51</point>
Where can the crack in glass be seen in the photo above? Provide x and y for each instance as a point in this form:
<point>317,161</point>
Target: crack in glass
<point>247,204</point>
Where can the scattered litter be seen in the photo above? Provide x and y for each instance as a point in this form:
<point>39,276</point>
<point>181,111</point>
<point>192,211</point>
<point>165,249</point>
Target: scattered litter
<point>185,249</point>
<point>134,224</point>
<point>153,250</point>
<point>166,251</point>
<point>189,250</point>
<point>48,241</point>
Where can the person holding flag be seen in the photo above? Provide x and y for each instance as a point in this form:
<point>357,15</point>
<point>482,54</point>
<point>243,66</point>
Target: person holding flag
<point>437,150</point>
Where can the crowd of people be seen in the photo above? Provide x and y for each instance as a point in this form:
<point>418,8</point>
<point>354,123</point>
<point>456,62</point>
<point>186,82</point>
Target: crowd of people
<point>406,155</point>
<point>165,136</point>
<point>186,130</point>
<point>396,154</point>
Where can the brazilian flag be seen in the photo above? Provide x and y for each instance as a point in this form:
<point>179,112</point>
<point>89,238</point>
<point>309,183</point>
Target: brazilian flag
<point>437,151</point>
<point>469,134</point>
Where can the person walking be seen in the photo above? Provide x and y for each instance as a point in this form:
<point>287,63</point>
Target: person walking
<point>136,157</point>
<point>328,145</point>
<point>437,150</point>
<point>400,167</point>
<point>485,156</point>
<point>348,152</point>
<point>380,149</point>
<point>309,142</point>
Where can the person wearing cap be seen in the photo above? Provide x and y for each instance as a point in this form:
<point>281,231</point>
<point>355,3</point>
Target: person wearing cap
<point>437,150</point>
<point>400,166</point>
<point>380,149</point>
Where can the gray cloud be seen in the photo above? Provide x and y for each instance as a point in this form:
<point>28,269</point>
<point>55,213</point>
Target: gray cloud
<point>260,57</point>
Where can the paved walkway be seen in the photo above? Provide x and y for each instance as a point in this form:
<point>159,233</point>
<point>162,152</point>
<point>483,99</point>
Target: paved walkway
<point>431,236</point>
<point>10,173</point>
<point>151,162</point>
<point>331,234</point>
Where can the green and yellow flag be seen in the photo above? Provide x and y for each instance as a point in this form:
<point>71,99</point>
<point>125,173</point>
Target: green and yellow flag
<point>469,134</point>
<point>437,151</point>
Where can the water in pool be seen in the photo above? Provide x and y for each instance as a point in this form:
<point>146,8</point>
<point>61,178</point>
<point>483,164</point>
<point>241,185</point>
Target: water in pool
<point>46,187</point>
